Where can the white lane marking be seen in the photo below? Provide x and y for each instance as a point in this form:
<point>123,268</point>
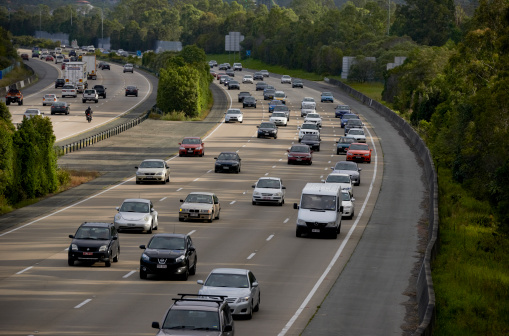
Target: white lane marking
<point>191,232</point>
<point>83,303</point>
<point>286,220</point>
<point>326,168</point>
<point>196,179</point>
<point>273,166</point>
<point>270,237</point>
<point>237,150</point>
<point>328,162</point>
<point>321,176</point>
<point>244,193</point>
<point>338,252</point>
<point>232,202</point>
<point>129,274</point>
<point>26,269</point>
<point>251,255</point>
<point>243,145</point>
<point>209,171</point>
<point>281,159</point>
<point>266,174</point>
<point>162,199</point>
<point>179,189</point>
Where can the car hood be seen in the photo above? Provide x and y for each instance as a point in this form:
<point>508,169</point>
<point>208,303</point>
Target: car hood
<point>231,292</point>
<point>317,215</point>
<point>227,162</point>
<point>267,190</point>
<point>90,242</point>
<point>189,332</point>
<point>169,254</point>
<point>197,206</point>
<point>150,170</point>
<point>358,151</point>
<point>133,216</point>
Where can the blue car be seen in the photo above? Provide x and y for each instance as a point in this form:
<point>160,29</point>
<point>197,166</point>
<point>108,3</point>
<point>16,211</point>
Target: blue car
<point>274,103</point>
<point>342,109</point>
<point>327,96</point>
<point>347,116</point>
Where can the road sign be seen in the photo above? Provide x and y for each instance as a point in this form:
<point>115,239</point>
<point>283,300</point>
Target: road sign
<point>138,53</point>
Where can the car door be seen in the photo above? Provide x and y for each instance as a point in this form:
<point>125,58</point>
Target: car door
<point>217,205</point>
<point>116,242</point>
<point>255,290</point>
<point>167,170</point>
<point>153,213</point>
<point>191,251</point>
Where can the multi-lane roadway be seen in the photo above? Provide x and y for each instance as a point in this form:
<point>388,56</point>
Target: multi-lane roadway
<point>41,295</point>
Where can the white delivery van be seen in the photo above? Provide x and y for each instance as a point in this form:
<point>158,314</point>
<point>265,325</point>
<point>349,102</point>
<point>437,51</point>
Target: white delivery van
<point>320,210</point>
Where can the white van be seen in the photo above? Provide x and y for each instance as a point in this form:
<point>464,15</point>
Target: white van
<point>320,209</point>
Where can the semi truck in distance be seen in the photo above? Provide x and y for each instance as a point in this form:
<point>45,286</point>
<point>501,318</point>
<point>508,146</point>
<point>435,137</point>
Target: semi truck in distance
<point>75,73</point>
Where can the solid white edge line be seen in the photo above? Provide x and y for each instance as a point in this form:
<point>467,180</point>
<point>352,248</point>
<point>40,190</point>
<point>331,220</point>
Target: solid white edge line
<point>338,252</point>
<point>83,303</point>
<point>26,269</point>
<point>129,274</point>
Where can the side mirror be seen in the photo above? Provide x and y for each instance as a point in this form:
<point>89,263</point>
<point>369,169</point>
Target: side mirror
<point>332,168</point>
<point>71,236</point>
<point>155,325</point>
<point>115,238</point>
<point>255,284</point>
<point>182,201</point>
<point>117,208</point>
<point>253,186</point>
<point>199,282</point>
<point>136,167</point>
<point>192,249</point>
<point>180,143</point>
<point>152,210</point>
<point>360,169</point>
<point>295,206</point>
<point>215,158</point>
<point>142,247</point>
<point>283,187</point>
<point>323,181</point>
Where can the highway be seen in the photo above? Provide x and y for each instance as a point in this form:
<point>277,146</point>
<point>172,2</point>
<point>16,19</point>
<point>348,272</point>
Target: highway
<point>41,295</point>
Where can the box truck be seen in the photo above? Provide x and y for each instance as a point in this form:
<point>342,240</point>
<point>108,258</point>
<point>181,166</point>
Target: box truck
<point>75,73</point>
<point>91,66</point>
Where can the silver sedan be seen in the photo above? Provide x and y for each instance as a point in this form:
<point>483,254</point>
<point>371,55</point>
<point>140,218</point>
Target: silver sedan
<point>136,214</point>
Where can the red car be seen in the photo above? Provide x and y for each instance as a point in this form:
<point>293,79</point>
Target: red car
<point>25,57</point>
<point>300,154</point>
<point>192,146</point>
<point>358,152</point>
<point>49,58</point>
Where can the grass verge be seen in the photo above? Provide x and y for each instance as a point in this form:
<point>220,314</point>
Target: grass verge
<point>16,75</point>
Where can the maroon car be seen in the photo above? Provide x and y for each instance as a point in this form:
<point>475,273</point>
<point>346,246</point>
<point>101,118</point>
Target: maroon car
<point>192,146</point>
<point>300,154</point>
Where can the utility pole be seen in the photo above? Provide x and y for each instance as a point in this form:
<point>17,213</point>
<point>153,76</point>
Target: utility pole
<point>389,18</point>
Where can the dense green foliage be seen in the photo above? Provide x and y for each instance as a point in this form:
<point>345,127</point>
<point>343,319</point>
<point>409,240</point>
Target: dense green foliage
<point>7,51</point>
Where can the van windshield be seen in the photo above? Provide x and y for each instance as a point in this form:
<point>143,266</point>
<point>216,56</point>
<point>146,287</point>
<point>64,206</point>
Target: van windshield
<point>318,202</point>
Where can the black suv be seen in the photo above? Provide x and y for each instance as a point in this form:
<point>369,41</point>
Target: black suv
<point>101,90</point>
<point>131,90</point>
<point>168,253</point>
<point>267,130</point>
<point>249,101</point>
<point>242,95</point>
<point>194,314</point>
<point>94,242</point>
<point>297,83</point>
<point>228,162</point>
<point>60,82</point>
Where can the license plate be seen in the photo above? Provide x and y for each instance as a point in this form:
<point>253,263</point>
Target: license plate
<point>266,133</point>
<point>315,230</point>
<point>190,150</point>
<point>131,224</point>
<point>226,167</point>
<point>162,266</point>
<point>88,253</point>
<point>266,198</point>
<point>193,214</point>
<point>299,159</point>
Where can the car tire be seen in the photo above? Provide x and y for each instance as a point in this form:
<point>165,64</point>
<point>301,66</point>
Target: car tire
<point>107,263</point>
<point>138,182</point>
<point>310,163</point>
<point>192,271</point>
<point>70,261</point>
<point>84,101</point>
<point>168,178</point>
<point>143,274</point>
<point>52,113</point>
<point>275,137</point>
<point>211,218</point>
<point>181,219</point>
<point>334,235</point>
<point>337,152</point>
<point>250,314</point>
<point>117,256</point>
<point>149,231</point>
<point>185,276</point>
<point>281,203</point>
<point>254,202</point>
<point>289,162</point>
<point>218,213</point>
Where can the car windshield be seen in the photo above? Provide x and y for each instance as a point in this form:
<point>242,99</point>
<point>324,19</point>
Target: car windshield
<point>69,87</point>
<point>346,165</point>
<point>89,91</point>
<point>326,94</point>
<point>227,280</point>
<point>261,84</point>
<point>131,88</point>
<point>152,164</point>
<point>58,104</point>
<point>249,99</point>
<point>227,156</point>
<point>94,233</point>
<point>233,112</point>
<point>279,114</point>
<point>140,207</point>
<point>346,196</point>
<point>268,183</point>
<point>191,320</point>
<point>276,102</point>
<point>234,82</point>
<point>191,141</point>
<point>359,147</point>
<point>199,198</point>
<point>267,125</point>
<point>269,91</point>
<point>313,115</point>
<point>281,108</point>
<point>299,149</point>
<point>354,122</point>
<point>356,131</point>
<point>338,179</point>
<point>318,202</point>
<point>346,140</point>
<point>279,94</point>
<point>248,77</point>
<point>50,96</point>
<point>309,126</point>
<point>167,243</point>
<point>349,116</point>
<point>308,99</point>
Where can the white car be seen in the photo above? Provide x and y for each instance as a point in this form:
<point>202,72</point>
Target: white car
<point>239,285</point>
<point>269,190</point>
<point>357,134</point>
<point>49,99</point>
<point>128,68</point>
<point>279,118</point>
<point>200,205</point>
<point>29,113</point>
<point>280,95</point>
<point>233,115</point>
<point>308,102</point>
<point>154,170</point>
<point>348,205</point>
<point>237,66</point>
<point>344,180</point>
<point>91,48</point>
<point>69,90</point>
<point>306,128</point>
<point>136,214</point>
<point>247,79</point>
<point>285,79</point>
<point>313,118</point>
<point>59,59</point>
<point>305,111</point>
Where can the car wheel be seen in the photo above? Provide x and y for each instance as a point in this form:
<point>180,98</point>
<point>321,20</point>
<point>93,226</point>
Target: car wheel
<point>164,181</point>
<point>334,234</point>
<point>310,163</point>
<point>337,152</point>
<point>281,203</point>
<point>84,101</point>
<point>143,274</point>
<point>250,314</point>
<point>351,215</point>
<point>52,113</point>
<point>181,219</point>
<point>318,149</point>
<point>70,261</point>
<point>210,219</point>
<point>104,96</point>
<point>117,256</point>
<point>107,263</point>
<point>201,155</point>
<point>218,213</point>
<point>168,178</point>
<point>275,137</point>
<point>289,162</point>
<point>185,275</point>
<point>257,307</point>
<point>149,231</point>
<point>192,271</point>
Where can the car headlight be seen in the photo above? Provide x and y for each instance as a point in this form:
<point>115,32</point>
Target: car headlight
<point>139,173</point>
<point>206,211</point>
<point>146,218</point>
<point>290,155</point>
<point>182,148</point>
<point>74,247</point>
<point>301,222</point>
<point>277,194</point>
<point>145,257</point>
<point>329,224</point>
<point>366,154</point>
<point>198,148</point>
<point>256,193</point>
<point>103,248</point>
<point>159,174</point>
<point>181,258</point>
<point>118,217</point>
<point>243,299</point>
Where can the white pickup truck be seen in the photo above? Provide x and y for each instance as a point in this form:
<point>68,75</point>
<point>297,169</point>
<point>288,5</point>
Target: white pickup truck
<point>90,94</point>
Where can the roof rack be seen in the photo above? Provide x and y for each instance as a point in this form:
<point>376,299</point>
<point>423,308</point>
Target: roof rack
<point>219,299</point>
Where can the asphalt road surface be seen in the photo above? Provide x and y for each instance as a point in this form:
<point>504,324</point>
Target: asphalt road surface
<point>41,294</point>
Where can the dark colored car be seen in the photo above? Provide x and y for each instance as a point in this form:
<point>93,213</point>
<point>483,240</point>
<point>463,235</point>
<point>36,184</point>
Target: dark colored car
<point>223,67</point>
<point>131,90</point>
<point>233,85</point>
<point>327,97</point>
<point>341,110</point>
<point>242,95</point>
<point>105,66</point>
<point>25,57</point>
<point>168,254</point>
<point>297,83</point>
<point>274,103</point>
<point>282,108</point>
<point>347,116</point>
<point>353,123</point>
<point>192,146</point>
<point>49,58</point>
<point>101,90</point>
<point>300,154</point>
<point>261,86</point>
<point>35,54</point>
<point>60,107</point>
<point>249,101</point>
<point>228,162</point>
<point>267,130</point>
<point>258,76</point>
<point>349,167</point>
<point>225,80</point>
<point>265,73</point>
<point>100,65</point>
<point>60,82</point>
<point>312,140</point>
<point>197,315</point>
<point>343,144</point>
<point>230,72</point>
<point>94,242</point>
<point>268,94</point>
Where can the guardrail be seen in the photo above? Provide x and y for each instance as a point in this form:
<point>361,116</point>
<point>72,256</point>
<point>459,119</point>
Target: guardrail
<point>21,84</point>
<point>425,291</point>
<point>89,141</point>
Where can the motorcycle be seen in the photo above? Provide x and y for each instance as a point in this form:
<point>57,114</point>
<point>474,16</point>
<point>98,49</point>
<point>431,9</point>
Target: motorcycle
<point>88,114</point>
